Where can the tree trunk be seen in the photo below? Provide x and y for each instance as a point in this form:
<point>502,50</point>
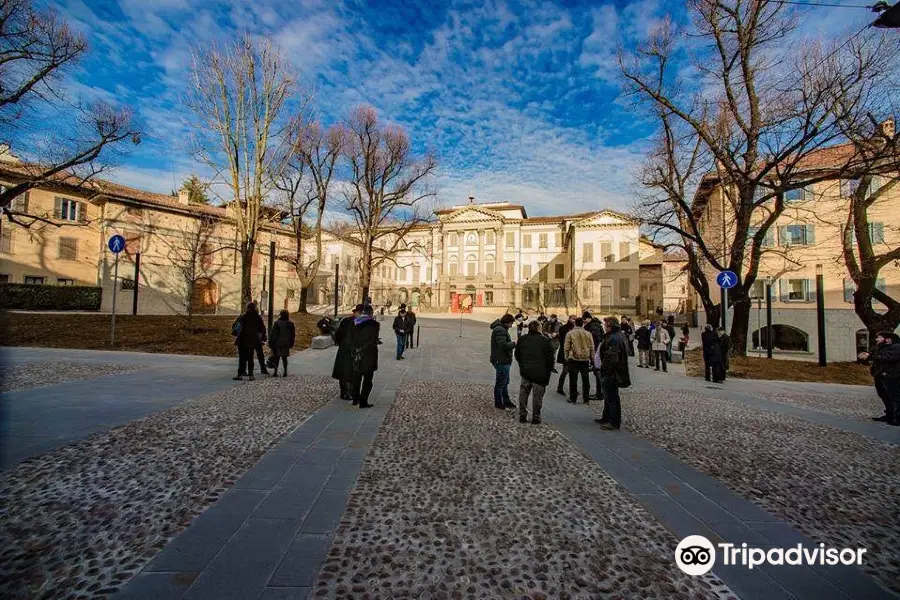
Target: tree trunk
<point>304,293</point>
<point>740,322</point>
<point>247,249</point>
<point>365,293</point>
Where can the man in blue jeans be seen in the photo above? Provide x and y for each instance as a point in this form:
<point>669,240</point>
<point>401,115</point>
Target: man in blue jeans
<point>400,329</point>
<point>502,348</point>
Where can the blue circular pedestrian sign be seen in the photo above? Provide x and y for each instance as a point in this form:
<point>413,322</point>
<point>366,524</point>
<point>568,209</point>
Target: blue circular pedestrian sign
<point>726,279</point>
<point>116,243</point>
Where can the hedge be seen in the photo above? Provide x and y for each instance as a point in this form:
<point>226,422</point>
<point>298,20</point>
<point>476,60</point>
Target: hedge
<point>49,297</point>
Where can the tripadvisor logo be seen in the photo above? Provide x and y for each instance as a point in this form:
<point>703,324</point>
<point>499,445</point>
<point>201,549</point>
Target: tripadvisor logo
<point>695,555</point>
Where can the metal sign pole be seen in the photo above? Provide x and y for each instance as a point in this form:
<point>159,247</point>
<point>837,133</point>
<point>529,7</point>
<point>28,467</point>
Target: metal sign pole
<point>725,309</point>
<point>112,324</point>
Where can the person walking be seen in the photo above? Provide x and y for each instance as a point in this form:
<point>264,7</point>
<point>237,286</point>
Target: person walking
<point>712,355</point>
<point>642,335</point>
<point>410,328</point>
<point>725,343</point>
<point>534,353</point>
<point>364,355</point>
<point>661,345</point>
<point>249,331</point>
<point>613,374</point>
<point>400,331</point>
<point>343,369</point>
<point>502,348</point>
<point>281,340</point>
<point>561,353</point>
<point>579,348</point>
<point>886,372</point>
<point>684,340</point>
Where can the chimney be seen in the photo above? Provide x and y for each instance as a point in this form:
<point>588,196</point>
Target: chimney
<point>887,128</point>
<point>471,199</point>
<point>184,196</point>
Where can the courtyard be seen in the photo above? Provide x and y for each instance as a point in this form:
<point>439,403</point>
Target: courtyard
<point>129,475</point>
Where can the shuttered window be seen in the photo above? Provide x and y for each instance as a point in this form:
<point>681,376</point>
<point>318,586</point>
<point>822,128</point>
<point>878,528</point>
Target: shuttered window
<point>68,248</point>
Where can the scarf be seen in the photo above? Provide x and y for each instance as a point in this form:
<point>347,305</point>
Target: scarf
<point>362,319</point>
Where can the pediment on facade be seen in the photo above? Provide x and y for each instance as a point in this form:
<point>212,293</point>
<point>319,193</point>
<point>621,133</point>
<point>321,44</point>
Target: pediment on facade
<point>607,218</point>
<point>472,214</point>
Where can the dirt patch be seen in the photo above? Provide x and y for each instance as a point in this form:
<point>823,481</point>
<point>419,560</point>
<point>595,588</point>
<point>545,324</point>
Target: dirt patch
<point>209,336</point>
<point>752,367</point>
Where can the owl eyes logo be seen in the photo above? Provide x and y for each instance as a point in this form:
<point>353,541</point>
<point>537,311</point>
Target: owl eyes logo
<point>695,555</point>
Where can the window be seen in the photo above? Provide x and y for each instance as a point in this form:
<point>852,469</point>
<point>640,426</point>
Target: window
<point>127,284</point>
<point>510,271</point>
<point>796,235</point>
<point>64,281</point>
<point>876,233</point>
<point>542,272</point>
<point>472,239</point>
<point>289,294</point>
<point>587,253</point>
<point>849,290</point>
<point>606,252</point>
<point>526,241</point>
<point>6,240</point>
<point>489,237</point>
<point>510,239</point>
<point>560,271</point>
<point>557,242</point>
<point>206,257</point>
<point>470,269</point>
<point>795,290</point>
<point>489,298</point>
<point>452,240</point>
<point>526,272</point>
<point>402,274</point>
<point>31,280</point>
<point>68,248</point>
<point>542,241</point>
<point>625,288</point>
<point>758,290</point>
<point>416,274</point>
<point>768,240</point>
<point>848,187</point>
<point>20,203</point>
<point>797,195</point>
<point>66,209</point>
<point>489,265</point>
<point>454,269</point>
<point>624,251</point>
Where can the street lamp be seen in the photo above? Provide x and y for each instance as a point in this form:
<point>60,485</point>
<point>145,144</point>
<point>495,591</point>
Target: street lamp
<point>820,313</point>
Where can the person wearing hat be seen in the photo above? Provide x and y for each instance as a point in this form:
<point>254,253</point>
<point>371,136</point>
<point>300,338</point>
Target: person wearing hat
<point>342,370</point>
<point>885,371</point>
<point>400,329</point>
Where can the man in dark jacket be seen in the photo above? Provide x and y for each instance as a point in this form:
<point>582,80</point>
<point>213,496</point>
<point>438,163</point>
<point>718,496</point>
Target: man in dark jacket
<point>343,369</point>
<point>561,355</point>
<point>281,340</point>
<point>410,327</point>
<point>364,355</point>
<point>712,355</point>
<point>252,333</point>
<point>670,329</point>
<point>886,372</point>
<point>642,335</point>
<point>725,343</point>
<point>613,373</point>
<point>595,328</point>
<point>501,358</point>
<point>534,353</point>
<point>399,328</point>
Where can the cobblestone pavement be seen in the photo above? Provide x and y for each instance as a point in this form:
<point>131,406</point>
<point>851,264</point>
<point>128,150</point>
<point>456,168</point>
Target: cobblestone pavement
<point>838,487</point>
<point>457,500</point>
<point>33,375</point>
<point>846,405</point>
<point>80,520</point>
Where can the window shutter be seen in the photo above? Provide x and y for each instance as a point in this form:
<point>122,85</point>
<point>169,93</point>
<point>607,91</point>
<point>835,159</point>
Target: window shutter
<point>782,236</point>
<point>82,212</point>
<point>57,208</point>
<point>876,231</point>
<point>848,290</point>
<point>810,290</point>
<point>810,234</point>
<point>769,240</point>
<point>782,290</point>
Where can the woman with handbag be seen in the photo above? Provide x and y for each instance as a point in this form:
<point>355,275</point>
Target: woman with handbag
<point>364,355</point>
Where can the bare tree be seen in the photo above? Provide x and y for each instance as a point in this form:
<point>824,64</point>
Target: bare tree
<point>306,183</point>
<point>758,115</point>
<point>386,189</point>
<point>36,49</point>
<point>239,97</point>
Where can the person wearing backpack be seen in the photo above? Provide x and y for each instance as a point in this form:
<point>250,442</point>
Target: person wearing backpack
<point>613,373</point>
<point>249,331</point>
<point>281,340</point>
<point>364,355</point>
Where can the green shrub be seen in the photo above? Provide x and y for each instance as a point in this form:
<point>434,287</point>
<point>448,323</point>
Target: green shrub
<point>49,297</point>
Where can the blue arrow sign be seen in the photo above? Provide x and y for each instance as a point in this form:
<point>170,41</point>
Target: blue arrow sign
<point>116,244</point>
<point>726,279</point>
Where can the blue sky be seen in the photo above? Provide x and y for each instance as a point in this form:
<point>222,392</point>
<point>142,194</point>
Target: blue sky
<point>520,101</point>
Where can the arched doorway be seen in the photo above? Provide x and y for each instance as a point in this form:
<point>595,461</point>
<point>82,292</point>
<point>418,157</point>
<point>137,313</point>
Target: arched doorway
<point>205,296</point>
<point>785,337</point>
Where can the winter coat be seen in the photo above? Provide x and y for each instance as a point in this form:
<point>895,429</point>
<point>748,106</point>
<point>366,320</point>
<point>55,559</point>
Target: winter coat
<point>501,344</point>
<point>579,345</point>
<point>364,341</point>
<point>614,357</point>
<point>643,337</point>
<point>725,343</point>
<point>253,330</point>
<point>886,360</point>
<point>410,322</point>
<point>564,329</point>
<point>282,337</point>
<point>534,353</point>
<point>399,325</point>
<point>551,328</point>
<point>342,367</point>
<point>661,339</point>
<point>595,328</point>
<point>712,347</point>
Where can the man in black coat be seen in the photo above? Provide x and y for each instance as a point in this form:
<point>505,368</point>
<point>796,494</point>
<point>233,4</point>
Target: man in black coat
<point>534,353</point>
<point>725,343</point>
<point>343,369</point>
<point>886,372</point>
<point>364,355</point>
<point>410,328</point>
<point>399,327</point>
<point>712,355</point>
<point>595,328</point>
<point>561,355</point>
<point>613,373</point>
<point>251,334</point>
<point>642,335</point>
<point>502,348</point>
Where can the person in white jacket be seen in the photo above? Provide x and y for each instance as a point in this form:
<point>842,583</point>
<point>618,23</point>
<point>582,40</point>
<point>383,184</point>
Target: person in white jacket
<point>660,341</point>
